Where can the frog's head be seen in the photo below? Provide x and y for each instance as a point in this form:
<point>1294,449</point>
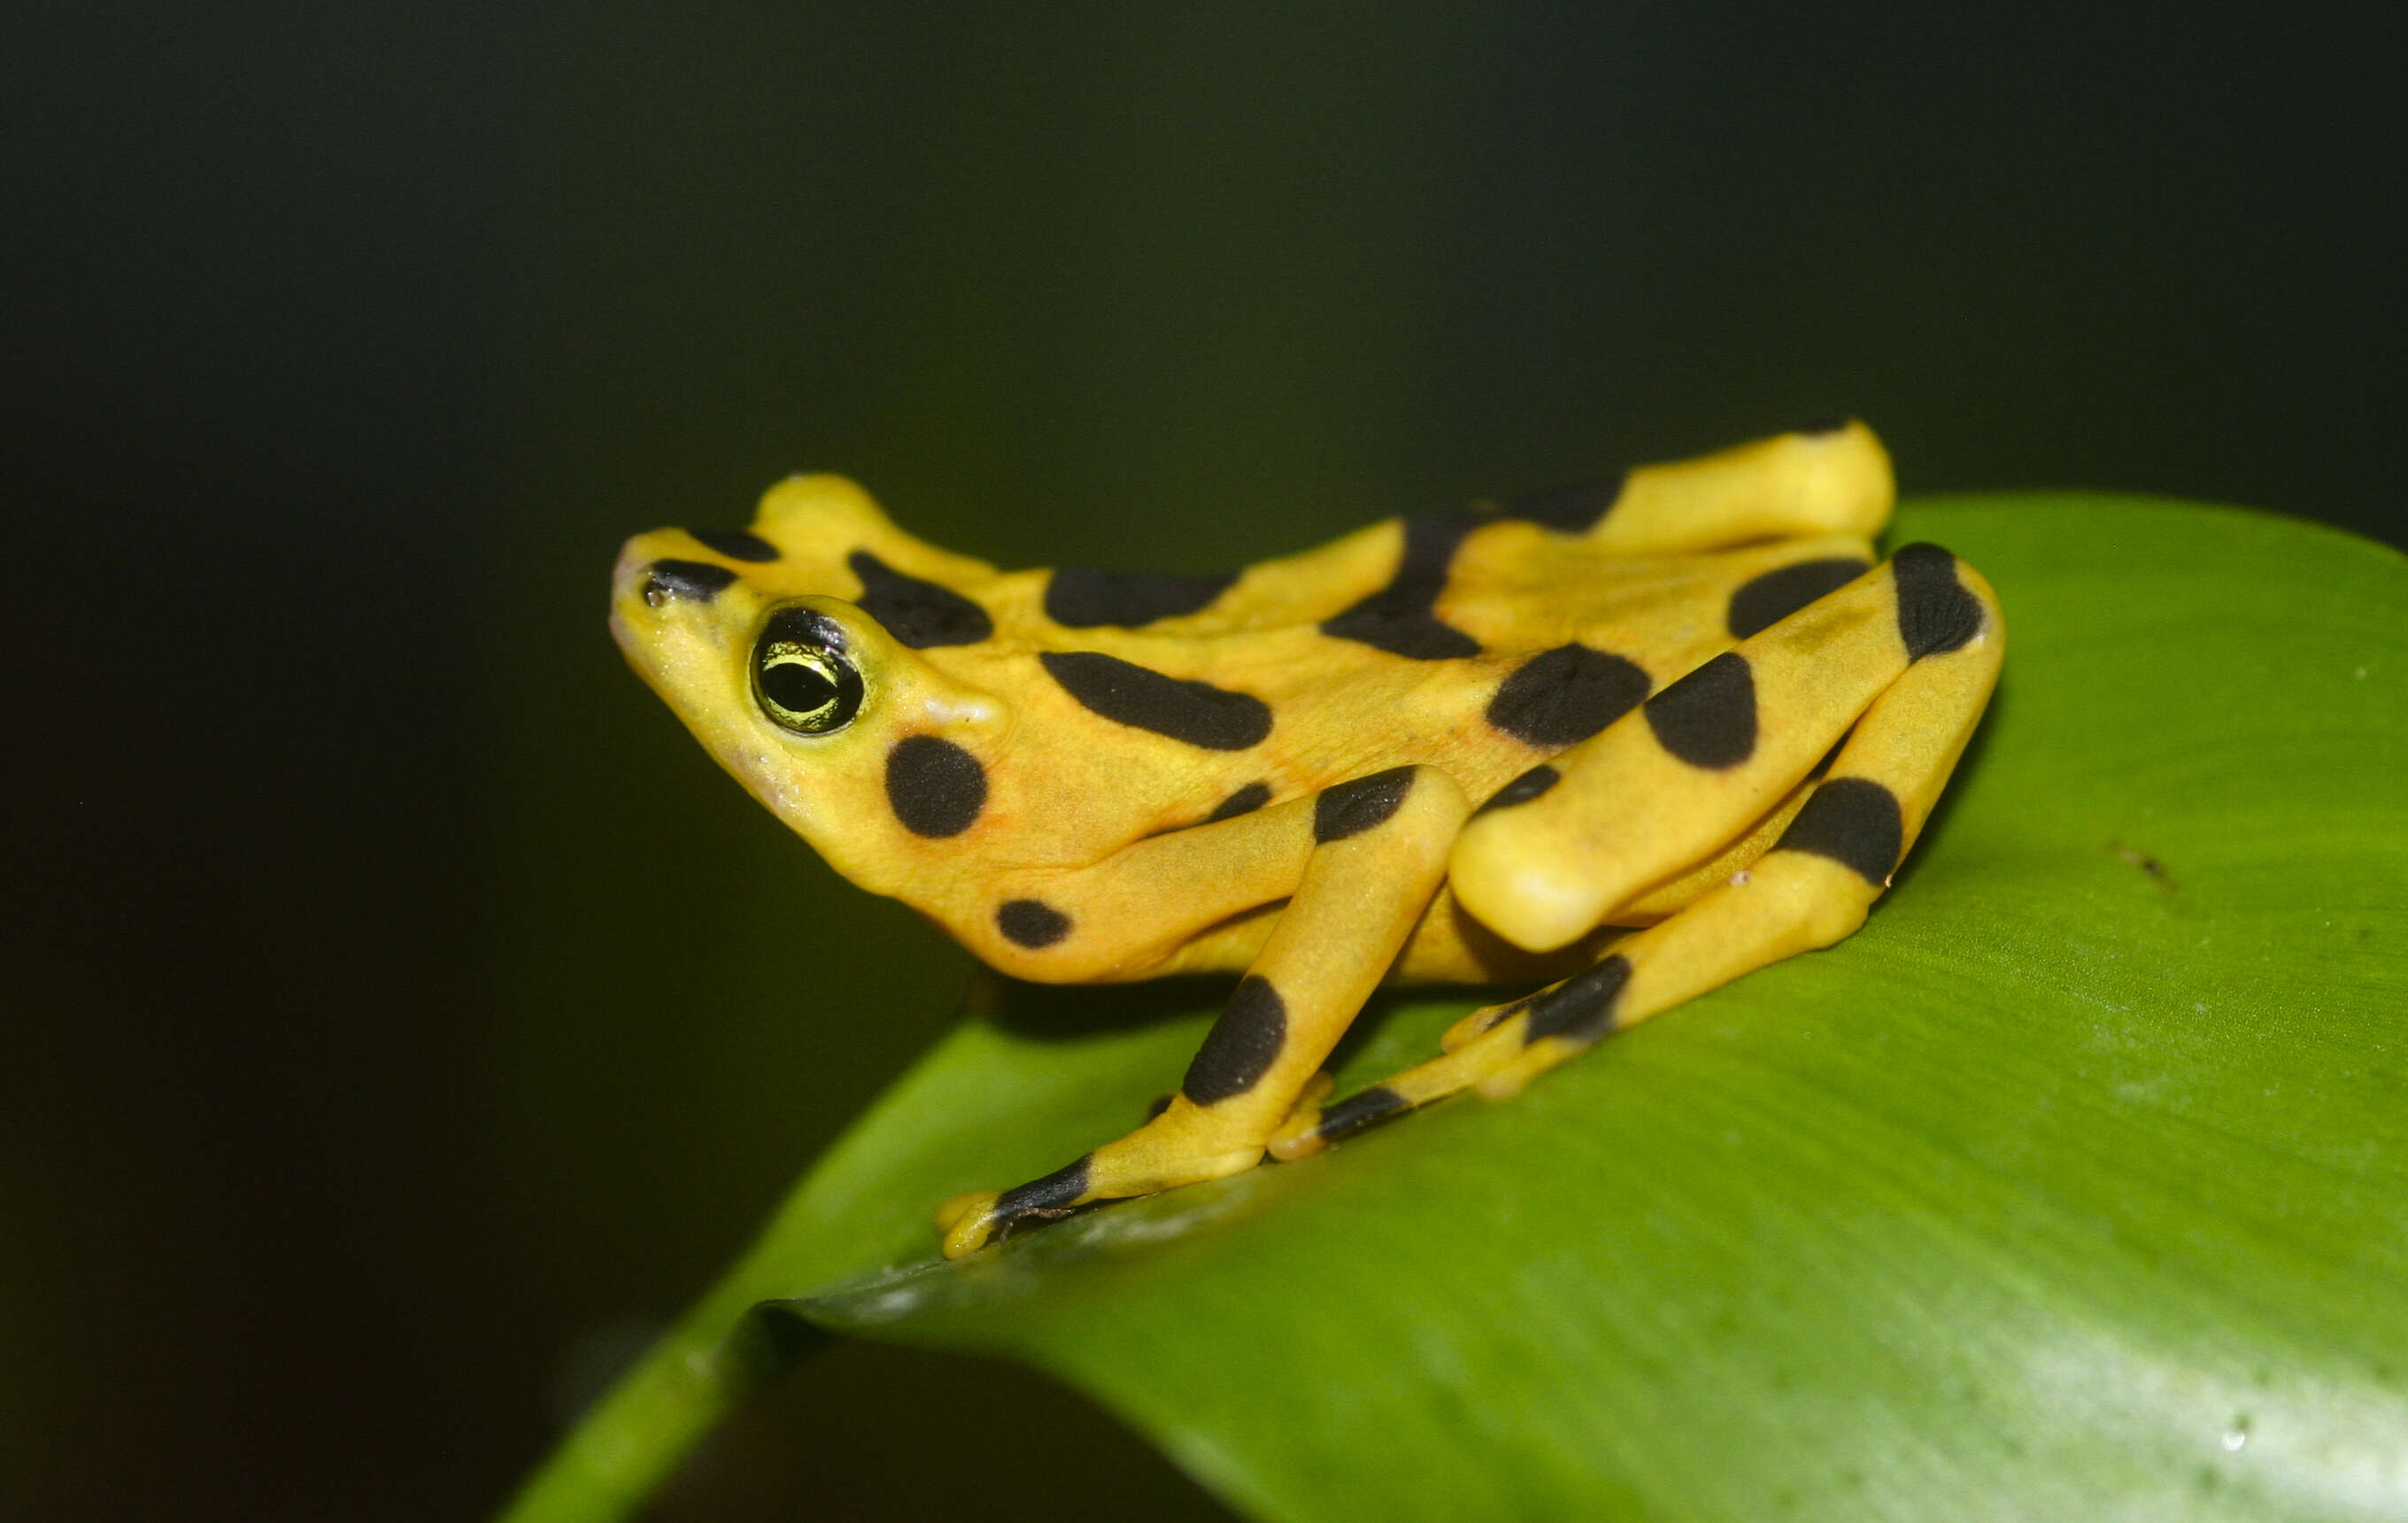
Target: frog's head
<point>792,650</point>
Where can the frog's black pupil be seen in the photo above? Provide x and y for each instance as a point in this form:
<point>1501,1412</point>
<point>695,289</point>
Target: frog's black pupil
<point>800,675</point>
<point>796,688</point>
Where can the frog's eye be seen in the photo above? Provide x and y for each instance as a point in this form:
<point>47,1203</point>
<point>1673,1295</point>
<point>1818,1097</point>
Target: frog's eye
<point>800,674</point>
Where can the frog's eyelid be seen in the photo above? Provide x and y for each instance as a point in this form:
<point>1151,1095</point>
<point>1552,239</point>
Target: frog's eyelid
<point>801,624</point>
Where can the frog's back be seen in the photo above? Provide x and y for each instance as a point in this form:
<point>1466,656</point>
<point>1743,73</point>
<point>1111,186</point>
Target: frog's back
<point>1479,641</point>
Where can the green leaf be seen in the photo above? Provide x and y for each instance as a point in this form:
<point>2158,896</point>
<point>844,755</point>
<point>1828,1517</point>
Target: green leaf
<point>2074,1186</point>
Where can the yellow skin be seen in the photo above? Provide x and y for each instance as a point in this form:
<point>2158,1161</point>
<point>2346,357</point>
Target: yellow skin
<point>1287,786</point>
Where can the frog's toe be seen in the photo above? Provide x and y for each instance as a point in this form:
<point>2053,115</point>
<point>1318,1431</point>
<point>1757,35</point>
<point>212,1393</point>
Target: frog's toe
<point>1496,1050</point>
<point>1513,1071</point>
<point>970,1222</point>
<point>962,1205</point>
<point>1297,1136</point>
<point>1307,1132</point>
<point>1496,1060</point>
<point>1479,1021</point>
<point>973,1225</point>
<point>1314,1124</point>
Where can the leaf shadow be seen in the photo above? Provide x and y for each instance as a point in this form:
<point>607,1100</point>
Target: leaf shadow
<point>1074,1012</point>
<point>1052,1012</point>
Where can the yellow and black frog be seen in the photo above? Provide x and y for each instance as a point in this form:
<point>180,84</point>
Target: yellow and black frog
<point>1629,740</point>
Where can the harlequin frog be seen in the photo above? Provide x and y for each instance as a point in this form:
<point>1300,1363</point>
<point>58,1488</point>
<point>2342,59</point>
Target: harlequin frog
<point>1628,740</point>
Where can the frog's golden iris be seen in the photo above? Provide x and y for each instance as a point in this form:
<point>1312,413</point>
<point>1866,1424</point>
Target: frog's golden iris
<point>800,674</point>
<point>1706,726</point>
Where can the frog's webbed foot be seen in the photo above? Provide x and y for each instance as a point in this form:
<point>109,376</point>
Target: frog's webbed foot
<point>1810,889</point>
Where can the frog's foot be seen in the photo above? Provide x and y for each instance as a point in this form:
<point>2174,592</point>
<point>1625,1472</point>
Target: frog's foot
<point>1315,1123</point>
<point>1497,1049</point>
<point>970,1222</point>
<point>1154,1157</point>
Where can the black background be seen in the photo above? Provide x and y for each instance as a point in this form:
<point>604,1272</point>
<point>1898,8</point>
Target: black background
<point>402,1016</point>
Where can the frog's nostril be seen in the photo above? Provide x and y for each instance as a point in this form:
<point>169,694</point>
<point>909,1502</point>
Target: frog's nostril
<point>694,581</point>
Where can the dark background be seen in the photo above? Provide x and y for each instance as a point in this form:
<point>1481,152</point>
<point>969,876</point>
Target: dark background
<point>401,1015</point>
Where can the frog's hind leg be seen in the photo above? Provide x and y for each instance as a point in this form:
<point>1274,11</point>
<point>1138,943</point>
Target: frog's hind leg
<point>1823,480</point>
<point>1810,889</point>
<point>1581,839</point>
<point>1379,852</point>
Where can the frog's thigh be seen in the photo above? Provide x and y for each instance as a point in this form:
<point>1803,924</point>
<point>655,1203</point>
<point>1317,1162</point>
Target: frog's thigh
<point>1810,890</point>
<point>1380,852</point>
<point>1667,784</point>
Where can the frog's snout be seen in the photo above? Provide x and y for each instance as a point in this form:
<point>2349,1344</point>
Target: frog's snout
<point>671,612</point>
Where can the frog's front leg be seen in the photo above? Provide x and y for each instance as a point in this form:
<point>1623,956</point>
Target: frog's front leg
<point>1379,849</point>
